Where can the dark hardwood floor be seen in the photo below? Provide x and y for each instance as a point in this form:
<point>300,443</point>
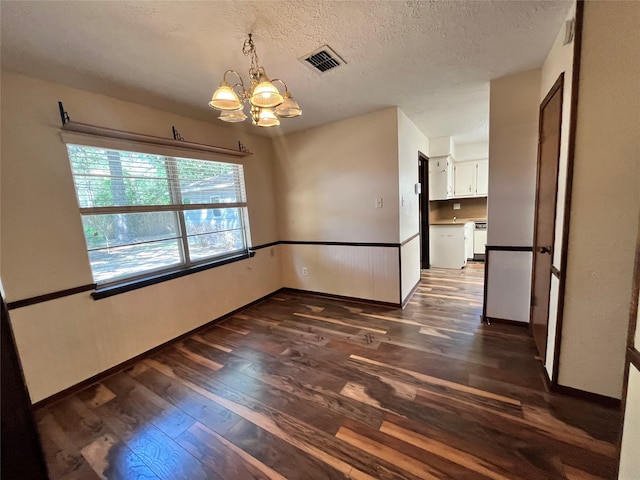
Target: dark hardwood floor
<point>308,387</point>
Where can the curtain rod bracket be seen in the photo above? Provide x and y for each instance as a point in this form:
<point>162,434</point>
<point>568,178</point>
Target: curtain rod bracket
<point>176,134</point>
<point>64,116</point>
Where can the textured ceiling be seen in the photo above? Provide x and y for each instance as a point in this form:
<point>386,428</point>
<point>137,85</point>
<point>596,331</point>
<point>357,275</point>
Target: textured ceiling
<point>433,59</point>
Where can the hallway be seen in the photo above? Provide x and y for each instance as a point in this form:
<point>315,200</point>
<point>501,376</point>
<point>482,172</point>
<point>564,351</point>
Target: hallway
<point>301,386</point>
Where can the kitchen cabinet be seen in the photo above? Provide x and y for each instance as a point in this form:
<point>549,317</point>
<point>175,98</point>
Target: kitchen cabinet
<point>471,178</point>
<point>449,244</point>
<point>440,177</point>
<point>464,176</point>
<point>482,178</point>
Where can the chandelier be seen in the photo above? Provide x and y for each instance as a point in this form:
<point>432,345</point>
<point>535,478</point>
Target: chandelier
<point>266,103</point>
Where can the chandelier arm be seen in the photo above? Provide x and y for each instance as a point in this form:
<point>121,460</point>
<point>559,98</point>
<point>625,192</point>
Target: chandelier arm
<point>237,75</point>
<point>282,82</point>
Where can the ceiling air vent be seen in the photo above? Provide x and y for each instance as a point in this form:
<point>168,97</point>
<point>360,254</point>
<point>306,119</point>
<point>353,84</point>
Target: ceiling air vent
<point>322,59</point>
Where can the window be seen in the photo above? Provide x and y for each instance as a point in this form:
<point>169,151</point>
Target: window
<point>145,213</point>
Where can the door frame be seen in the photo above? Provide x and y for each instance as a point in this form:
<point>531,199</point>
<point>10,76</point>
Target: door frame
<point>566,224</point>
<point>632,351</point>
<point>423,210</point>
<point>558,87</point>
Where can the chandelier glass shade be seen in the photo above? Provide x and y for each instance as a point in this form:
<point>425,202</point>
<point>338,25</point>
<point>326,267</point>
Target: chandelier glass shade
<point>265,100</point>
<point>232,116</point>
<point>225,98</point>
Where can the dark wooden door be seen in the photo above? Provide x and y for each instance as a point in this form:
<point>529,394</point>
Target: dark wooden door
<point>22,456</point>
<point>423,208</point>
<point>545,213</point>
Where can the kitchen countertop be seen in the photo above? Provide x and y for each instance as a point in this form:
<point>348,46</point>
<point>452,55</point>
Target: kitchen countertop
<point>459,221</point>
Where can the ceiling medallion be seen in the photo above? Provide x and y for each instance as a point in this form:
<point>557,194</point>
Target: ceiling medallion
<point>266,103</point>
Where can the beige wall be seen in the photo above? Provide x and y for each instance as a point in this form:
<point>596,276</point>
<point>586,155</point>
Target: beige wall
<point>558,61</point>
<point>513,133</point>
<point>328,179</point>
<point>605,200</point>
<point>513,139</point>
<point>65,341</point>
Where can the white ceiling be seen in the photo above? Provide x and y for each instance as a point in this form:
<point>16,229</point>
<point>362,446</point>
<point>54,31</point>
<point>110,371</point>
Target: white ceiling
<point>433,59</point>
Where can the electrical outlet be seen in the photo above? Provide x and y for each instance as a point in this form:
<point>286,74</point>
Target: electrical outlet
<point>456,206</point>
<point>305,272</point>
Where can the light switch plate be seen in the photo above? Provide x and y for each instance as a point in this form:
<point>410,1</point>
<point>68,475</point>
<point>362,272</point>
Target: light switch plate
<point>456,206</point>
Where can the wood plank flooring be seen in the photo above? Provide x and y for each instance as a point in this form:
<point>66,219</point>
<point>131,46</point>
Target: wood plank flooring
<point>308,387</point>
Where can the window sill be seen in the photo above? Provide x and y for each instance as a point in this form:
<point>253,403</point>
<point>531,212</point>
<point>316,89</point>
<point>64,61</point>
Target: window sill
<point>111,290</point>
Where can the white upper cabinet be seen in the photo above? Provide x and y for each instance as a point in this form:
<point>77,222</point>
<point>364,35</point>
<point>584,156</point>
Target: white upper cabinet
<point>440,177</point>
<point>482,177</point>
<point>464,179</point>
<point>451,179</point>
<point>471,178</point>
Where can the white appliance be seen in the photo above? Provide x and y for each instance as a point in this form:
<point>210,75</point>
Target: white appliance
<point>479,240</point>
<point>448,245</point>
<point>468,238</point>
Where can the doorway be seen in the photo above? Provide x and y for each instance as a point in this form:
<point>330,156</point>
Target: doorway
<point>549,133</point>
<point>423,209</point>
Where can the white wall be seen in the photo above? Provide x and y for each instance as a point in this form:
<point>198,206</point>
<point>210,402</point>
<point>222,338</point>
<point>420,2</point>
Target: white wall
<point>410,141</point>
<point>554,297</point>
<point>441,146</point>
<point>410,264</point>
<point>513,133</point>
<point>629,458</point>
<point>508,286</point>
<point>605,201</point>
<point>65,341</point>
<point>352,271</point>
<point>559,61</point>
<point>472,151</point>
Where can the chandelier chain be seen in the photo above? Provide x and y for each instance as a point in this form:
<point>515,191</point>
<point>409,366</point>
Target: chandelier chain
<point>249,50</point>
